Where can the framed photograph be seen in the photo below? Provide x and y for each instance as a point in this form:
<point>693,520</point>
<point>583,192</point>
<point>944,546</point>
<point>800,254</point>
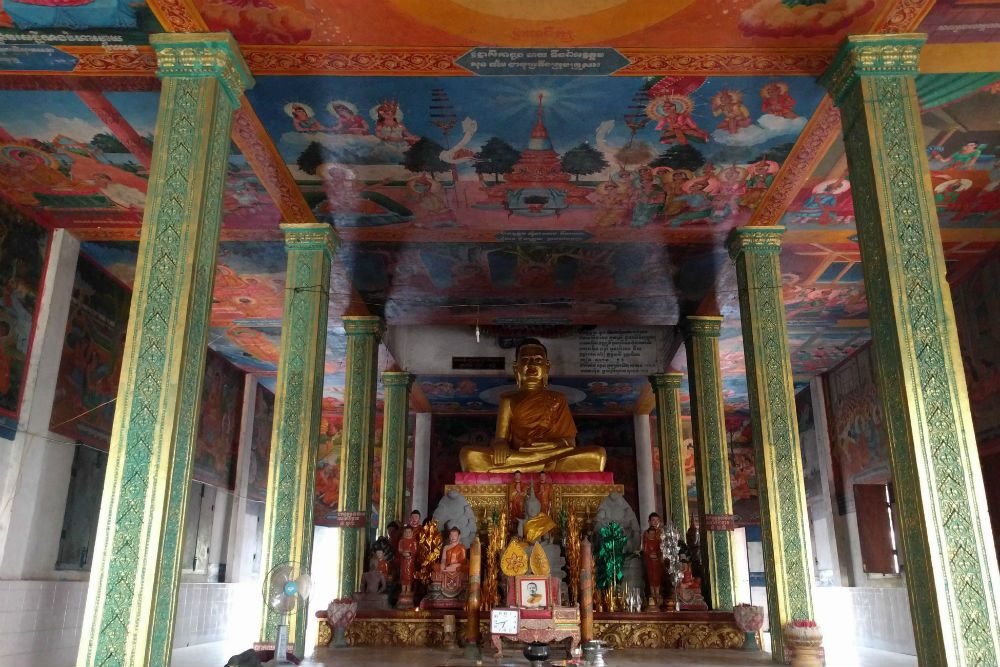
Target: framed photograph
<point>533,592</point>
<point>504,621</point>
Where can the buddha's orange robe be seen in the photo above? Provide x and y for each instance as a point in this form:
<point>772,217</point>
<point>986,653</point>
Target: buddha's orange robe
<point>541,416</point>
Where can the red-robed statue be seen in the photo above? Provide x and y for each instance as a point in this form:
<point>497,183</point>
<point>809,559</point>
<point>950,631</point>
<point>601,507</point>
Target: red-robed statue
<point>652,557</point>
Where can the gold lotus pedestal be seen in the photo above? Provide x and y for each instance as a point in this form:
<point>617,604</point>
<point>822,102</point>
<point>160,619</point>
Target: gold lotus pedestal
<point>580,499</point>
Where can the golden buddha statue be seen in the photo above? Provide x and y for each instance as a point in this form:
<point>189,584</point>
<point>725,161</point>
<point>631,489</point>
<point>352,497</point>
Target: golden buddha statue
<point>535,430</point>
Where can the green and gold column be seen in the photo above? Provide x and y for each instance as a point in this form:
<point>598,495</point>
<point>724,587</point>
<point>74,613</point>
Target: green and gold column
<point>395,429</point>
<point>667,390</point>
<point>783,513</point>
<point>129,616</point>
<point>708,421</point>
<point>298,398</point>
<point>948,549</point>
<point>357,443</point>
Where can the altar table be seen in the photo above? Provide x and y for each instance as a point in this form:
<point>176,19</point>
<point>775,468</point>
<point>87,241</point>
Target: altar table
<point>563,623</point>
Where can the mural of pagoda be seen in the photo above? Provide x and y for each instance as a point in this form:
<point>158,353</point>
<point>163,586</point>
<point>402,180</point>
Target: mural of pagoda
<point>537,185</point>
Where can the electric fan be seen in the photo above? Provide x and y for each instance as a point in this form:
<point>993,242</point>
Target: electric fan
<point>286,589</point>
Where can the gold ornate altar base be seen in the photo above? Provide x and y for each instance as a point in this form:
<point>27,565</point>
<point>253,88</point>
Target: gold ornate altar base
<point>681,629</point>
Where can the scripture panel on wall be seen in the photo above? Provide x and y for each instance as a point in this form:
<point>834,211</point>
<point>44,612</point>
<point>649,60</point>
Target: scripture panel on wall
<point>22,262</point>
<point>858,441</point>
<point>260,443</point>
<point>84,407</point>
<point>219,428</point>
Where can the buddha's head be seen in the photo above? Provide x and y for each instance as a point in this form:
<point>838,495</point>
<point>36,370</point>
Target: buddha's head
<point>532,365</point>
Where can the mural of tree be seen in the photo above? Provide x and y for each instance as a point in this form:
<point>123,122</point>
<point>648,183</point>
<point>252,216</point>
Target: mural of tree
<point>496,157</point>
<point>777,153</point>
<point>425,155</point>
<point>680,156</point>
<point>311,158</point>
<point>582,160</point>
<point>107,143</point>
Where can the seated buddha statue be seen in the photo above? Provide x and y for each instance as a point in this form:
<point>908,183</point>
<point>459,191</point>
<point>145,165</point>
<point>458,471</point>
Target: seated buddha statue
<point>535,430</point>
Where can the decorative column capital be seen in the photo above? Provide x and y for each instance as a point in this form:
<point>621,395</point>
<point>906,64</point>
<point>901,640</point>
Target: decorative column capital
<point>702,326</point>
<point>759,240</point>
<point>311,236</point>
<point>362,325</point>
<point>203,55</point>
<point>397,379</point>
<point>871,55</point>
<point>666,380</point>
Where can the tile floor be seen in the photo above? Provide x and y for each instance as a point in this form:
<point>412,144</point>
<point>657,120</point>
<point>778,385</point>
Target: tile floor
<point>216,654</point>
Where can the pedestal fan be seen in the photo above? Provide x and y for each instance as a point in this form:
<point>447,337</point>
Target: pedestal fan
<point>286,589</point>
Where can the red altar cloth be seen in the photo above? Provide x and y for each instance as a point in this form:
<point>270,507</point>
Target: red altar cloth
<point>553,477</point>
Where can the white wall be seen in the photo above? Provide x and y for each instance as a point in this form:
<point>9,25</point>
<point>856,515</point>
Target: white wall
<point>870,617</point>
<point>41,621</point>
<point>35,479</point>
<point>212,612</point>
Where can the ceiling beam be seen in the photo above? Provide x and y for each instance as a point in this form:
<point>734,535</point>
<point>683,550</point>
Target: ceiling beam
<point>965,58</point>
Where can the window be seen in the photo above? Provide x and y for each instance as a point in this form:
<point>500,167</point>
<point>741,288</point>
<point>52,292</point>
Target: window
<point>83,508</point>
<point>876,528</point>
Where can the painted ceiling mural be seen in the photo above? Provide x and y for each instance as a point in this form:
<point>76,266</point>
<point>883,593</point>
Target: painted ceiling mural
<point>533,158</point>
<point>82,163</point>
<point>247,306</point>
<point>593,183</point>
<point>122,21</point>
<point>627,23</point>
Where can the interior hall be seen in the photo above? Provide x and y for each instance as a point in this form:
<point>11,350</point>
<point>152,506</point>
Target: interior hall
<point>452,332</point>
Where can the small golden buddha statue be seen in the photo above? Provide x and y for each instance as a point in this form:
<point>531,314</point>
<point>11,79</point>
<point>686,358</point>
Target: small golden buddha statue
<point>535,430</point>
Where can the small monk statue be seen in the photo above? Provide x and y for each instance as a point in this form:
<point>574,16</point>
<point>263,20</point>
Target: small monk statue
<point>453,553</point>
<point>544,493</point>
<point>451,574</point>
<point>382,563</point>
<point>407,551</point>
<point>652,558</point>
<point>535,430</point>
<point>515,497</point>
<point>393,532</point>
